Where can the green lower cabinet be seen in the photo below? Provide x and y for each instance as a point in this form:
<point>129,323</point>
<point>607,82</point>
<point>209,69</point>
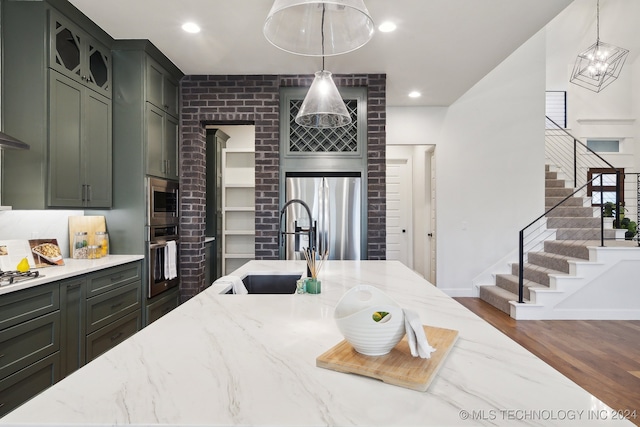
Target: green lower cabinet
<point>28,342</point>
<point>28,382</point>
<point>108,337</point>
<point>162,304</point>
<point>49,331</point>
<point>73,329</point>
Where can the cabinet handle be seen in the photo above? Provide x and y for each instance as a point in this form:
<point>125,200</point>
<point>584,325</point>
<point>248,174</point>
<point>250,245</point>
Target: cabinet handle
<point>116,305</point>
<point>72,287</point>
<point>1,355</point>
<point>116,336</point>
<point>89,193</point>
<point>113,279</point>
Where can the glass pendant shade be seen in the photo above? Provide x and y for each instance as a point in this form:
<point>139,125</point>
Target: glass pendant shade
<point>598,66</point>
<point>323,106</point>
<point>318,28</point>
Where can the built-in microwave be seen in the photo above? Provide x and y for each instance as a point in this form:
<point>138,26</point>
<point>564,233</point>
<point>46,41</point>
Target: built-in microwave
<point>163,201</point>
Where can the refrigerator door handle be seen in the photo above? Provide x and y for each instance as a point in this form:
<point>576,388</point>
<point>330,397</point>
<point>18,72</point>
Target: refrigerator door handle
<point>324,215</point>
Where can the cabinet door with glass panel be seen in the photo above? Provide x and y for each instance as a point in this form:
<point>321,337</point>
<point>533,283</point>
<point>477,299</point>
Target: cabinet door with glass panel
<point>76,54</point>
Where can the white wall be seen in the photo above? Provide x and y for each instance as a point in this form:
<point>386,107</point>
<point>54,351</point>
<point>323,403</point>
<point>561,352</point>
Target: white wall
<point>489,168</point>
<point>38,224</point>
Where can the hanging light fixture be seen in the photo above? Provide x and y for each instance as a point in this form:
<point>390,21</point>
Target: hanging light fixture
<point>323,106</point>
<point>599,65</point>
<point>300,26</point>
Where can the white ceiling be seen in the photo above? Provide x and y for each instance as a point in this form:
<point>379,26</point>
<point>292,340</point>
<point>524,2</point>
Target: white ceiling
<point>441,47</point>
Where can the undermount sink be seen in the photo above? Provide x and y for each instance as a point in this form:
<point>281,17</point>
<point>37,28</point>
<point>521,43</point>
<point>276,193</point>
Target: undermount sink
<point>270,283</point>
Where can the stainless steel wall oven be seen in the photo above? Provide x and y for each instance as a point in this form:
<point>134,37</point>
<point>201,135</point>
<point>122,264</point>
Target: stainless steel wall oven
<point>163,240</point>
<point>162,201</point>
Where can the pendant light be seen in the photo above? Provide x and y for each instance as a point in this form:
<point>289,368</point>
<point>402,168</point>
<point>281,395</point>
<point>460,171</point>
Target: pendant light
<point>299,26</point>
<point>599,65</point>
<point>323,106</point>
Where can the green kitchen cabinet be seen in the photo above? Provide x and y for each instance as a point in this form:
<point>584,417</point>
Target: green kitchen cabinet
<point>79,56</point>
<point>49,331</point>
<point>29,343</point>
<point>79,145</point>
<point>146,114</point>
<point>73,326</point>
<point>57,99</point>
<point>161,304</point>
<point>162,143</point>
<point>161,87</point>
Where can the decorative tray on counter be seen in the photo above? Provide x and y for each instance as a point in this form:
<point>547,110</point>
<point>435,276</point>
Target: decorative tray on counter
<point>397,367</point>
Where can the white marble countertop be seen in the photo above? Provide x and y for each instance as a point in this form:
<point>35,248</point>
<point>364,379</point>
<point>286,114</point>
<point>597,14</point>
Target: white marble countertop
<point>250,360</point>
<point>71,268</point>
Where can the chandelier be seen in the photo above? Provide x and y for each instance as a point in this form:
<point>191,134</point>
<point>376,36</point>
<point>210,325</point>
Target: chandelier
<point>599,65</point>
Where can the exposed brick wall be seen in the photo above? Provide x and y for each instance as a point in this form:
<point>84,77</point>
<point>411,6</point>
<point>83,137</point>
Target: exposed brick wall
<point>255,99</point>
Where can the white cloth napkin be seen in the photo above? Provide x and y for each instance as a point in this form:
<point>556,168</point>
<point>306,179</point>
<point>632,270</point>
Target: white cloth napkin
<point>416,337</point>
<point>170,257</point>
<point>236,284</point>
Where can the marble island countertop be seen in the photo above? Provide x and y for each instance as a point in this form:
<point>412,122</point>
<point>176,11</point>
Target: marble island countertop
<point>250,360</point>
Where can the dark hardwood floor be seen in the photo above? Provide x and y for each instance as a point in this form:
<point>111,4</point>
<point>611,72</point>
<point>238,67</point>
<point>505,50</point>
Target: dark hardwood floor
<point>602,356</point>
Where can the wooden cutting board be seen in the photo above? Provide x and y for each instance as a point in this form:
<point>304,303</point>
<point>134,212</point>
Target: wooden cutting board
<point>90,224</point>
<point>397,367</point>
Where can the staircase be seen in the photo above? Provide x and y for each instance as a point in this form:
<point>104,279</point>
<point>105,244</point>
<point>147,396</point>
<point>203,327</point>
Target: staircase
<point>572,232</point>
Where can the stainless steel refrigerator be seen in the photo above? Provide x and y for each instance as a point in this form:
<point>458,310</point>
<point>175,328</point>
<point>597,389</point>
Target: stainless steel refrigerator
<point>335,204</point>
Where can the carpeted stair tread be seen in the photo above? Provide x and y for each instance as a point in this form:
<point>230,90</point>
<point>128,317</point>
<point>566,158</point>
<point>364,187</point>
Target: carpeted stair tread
<point>535,273</point>
<point>558,192</point>
<point>554,183</point>
<point>498,297</point>
<point>572,248</point>
<point>573,222</point>
<point>551,201</point>
<point>571,211</point>
<point>552,261</point>
<point>509,282</point>
<point>563,233</point>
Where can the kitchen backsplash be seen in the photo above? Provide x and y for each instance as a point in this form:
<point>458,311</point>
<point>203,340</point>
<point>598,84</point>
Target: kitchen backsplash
<point>38,224</point>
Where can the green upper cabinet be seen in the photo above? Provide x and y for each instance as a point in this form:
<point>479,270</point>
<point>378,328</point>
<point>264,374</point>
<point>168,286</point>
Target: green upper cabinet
<point>58,100</point>
<point>79,145</point>
<point>146,112</point>
<point>162,88</point>
<point>162,143</point>
<point>162,120</point>
<point>79,56</point>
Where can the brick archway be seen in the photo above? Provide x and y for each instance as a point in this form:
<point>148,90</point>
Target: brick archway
<point>255,99</point>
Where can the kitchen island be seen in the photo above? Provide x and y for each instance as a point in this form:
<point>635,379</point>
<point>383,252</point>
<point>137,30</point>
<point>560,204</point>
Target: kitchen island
<point>251,360</point>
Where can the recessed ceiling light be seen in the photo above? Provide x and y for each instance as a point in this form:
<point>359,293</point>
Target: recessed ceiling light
<point>191,27</point>
<point>387,27</point>
<point>415,94</point>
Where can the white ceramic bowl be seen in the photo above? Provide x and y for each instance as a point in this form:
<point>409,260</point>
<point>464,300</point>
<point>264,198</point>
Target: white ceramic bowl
<point>354,317</point>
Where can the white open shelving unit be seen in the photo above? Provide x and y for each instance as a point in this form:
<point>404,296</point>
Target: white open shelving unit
<point>238,208</point>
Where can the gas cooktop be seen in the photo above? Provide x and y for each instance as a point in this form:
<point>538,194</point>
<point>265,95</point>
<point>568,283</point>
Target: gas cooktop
<point>11,277</point>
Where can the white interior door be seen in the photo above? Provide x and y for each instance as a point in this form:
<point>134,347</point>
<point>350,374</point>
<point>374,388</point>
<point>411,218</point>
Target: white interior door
<point>399,211</point>
<point>431,236</point>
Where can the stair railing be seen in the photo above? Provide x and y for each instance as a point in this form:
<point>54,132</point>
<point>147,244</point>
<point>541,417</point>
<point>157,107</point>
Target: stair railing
<point>534,234</point>
<point>573,159</point>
